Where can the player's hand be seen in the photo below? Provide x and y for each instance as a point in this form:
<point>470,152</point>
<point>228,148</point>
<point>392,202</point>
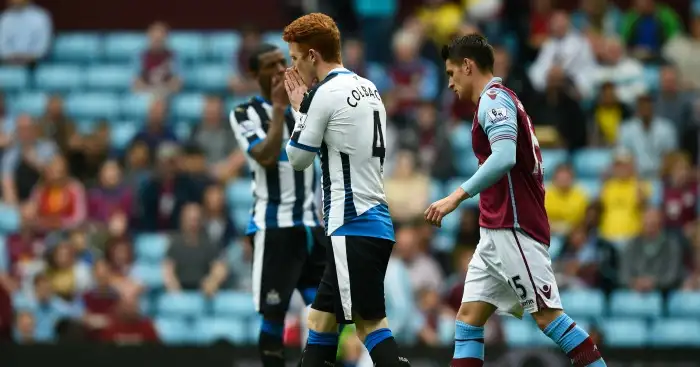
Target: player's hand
<point>296,89</point>
<point>439,209</point>
<point>279,92</point>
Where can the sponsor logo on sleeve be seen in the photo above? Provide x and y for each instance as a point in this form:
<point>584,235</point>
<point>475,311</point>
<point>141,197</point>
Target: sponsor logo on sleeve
<point>496,115</point>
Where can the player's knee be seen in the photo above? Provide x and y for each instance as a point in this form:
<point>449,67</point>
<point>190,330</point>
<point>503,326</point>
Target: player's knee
<point>545,316</point>
<point>322,322</point>
<point>475,313</point>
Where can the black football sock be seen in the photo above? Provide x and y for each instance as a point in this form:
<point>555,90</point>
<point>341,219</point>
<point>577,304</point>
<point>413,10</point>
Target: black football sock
<point>321,349</point>
<point>271,345</point>
<point>383,349</point>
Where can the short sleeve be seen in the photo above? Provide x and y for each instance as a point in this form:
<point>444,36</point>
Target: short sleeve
<point>246,127</point>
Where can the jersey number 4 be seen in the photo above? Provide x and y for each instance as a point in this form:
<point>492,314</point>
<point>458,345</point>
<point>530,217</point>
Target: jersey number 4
<point>378,149</point>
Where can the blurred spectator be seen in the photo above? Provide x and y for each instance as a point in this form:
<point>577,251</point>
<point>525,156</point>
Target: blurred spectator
<point>626,73</point>
<point>584,261</point>
<point>607,115</point>
<point>68,276</point>
<point>468,233</point>
<point>242,83</point>
<point>83,251</point>
<point>673,101</point>
<point>683,50</point>
<point>59,198</point>
<point>400,301</point>
<point>440,19</point>
<point>157,129</point>
<point>99,302</point>
<point>565,202</point>
<point>193,261</point>
<point>540,14</point>
<point>56,126</point>
<point>513,75</point>
<point>116,227</point>
<point>7,124</point>
<point>24,161</point>
<point>437,316</point>
<point>46,308</point>
<point>25,328</point>
<point>568,49</point>
<point>692,282</point>
<point>6,311</point>
<point>623,198</point>
<point>120,259</point>
<point>216,219</point>
<point>375,22</point>
<point>128,327</point>
<point>163,194</point>
<point>158,71</point>
<point>25,33</point>
<point>423,271</point>
<point>414,78</point>
<point>647,26</point>
<point>407,189</point>
<point>430,140</point>
<point>680,197</point>
<point>654,260</point>
<point>354,59</point>
<point>111,195</point>
<point>92,152</point>
<point>239,260</point>
<point>648,137</point>
<point>136,165</point>
<point>597,16</point>
<point>24,250</point>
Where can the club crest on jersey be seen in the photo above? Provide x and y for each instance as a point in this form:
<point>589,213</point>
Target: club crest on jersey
<point>492,93</point>
<point>302,124</point>
<point>496,115</point>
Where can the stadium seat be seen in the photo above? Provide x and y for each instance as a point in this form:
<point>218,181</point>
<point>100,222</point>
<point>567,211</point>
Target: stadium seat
<point>183,130</point>
<point>210,77</point>
<point>58,78</point>
<point>211,330</point>
<point>117,78</point>
<point>232,303</point>
<point>590,186</point>
<point>173,330</point>
<point>591,163</point>
<point>223,46</point>
<point>188,106</point>
<point>13,78</point>
<point>151,247</point>
<point>275,38</point>
<point>239,194</point>
<point>187,46</point>
<point>121,47</point>
<point>518,333</point>
<point>9,219</point>
<point>122,133</point>
<point>624,332</point>
<point>145,305</point>
<point>586,303</point>
<point>92,106</point>
<point>450,223</point>
<point>33,103</point>
<point>551,159</point>
<point>241,218</point>
<point>254,326</point>
<point>182,304</point>
<point>461,137</point>
<point>556,245</point>
<point>676,332</point>
<point>437,190</point>
<point>630,303</point>
<point>76,47</point>
<point>684,304</point>
<point>651,76</point>
<point>148,274</point>
<point>135,105</point>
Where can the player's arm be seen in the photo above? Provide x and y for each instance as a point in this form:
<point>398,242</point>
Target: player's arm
<point>249,133</point>
<point>311,121</point>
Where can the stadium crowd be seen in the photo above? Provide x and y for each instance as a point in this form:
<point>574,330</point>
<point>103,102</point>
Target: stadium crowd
<point>125,198</point>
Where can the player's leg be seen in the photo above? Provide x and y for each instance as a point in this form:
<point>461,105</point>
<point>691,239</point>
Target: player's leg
<point>278,256</point>
<point>315,264</point>
<point>533,279</point>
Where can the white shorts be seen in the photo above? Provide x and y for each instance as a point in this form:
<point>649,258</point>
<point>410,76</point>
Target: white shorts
<point>511,271</point>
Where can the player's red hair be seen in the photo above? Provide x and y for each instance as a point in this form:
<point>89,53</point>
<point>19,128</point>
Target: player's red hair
<point>315,31</point>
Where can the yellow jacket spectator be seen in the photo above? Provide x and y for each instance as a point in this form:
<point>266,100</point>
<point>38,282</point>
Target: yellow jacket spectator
<point>565,203</point>
<point>441,20</point>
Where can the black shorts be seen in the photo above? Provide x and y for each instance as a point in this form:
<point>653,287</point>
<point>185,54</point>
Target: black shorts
<point>285,259</point>
<point>353,282</point>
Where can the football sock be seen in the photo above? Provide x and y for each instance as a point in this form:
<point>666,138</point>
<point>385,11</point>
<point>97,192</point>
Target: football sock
<point>469,345</point>
<point>308,294</point>
<point>271,345</point>
<point>383,349</point>
<point>321,349</point>
<point>575,342</point>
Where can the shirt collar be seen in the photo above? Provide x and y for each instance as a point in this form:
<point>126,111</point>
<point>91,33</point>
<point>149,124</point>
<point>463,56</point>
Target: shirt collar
<point>494,80</point>
<point>338,71</point>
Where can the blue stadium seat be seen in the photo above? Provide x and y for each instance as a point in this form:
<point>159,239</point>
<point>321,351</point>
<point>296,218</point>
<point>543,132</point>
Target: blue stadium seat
<point>122,133</point>
<point>187,46</point>
<point>450,223</point>
<point>188,106</point>
<point>145,305</point>
<point>591,163</point>
<point>210,77</point>
<point>59,78</point>
<point>625,332</point>
<point>444,242</point>
<point>148,274</point>
<point>182,304</point>
<point>241,217</point>
<point>121,47</point>
<point>173,330</point>
<point>437,190</point>
<point>92,106</point>
<point>586,303</point>
<point>151,247</point>
<point>85,127</point>
<point>183,130</point>
<point>630,303</point>
<point>461,138</point>
<point>9,219</point>
<point>224,45</point>
<point>590,186</point>
<point>556,245</point>
<point>518,333</point>
<point>275,38</point>
<point>239,194</point>
<point>254,326</point>
<point>232,303</point>
<point>552,158</point>
<point>135,105</point>
<point>676,332</point>
<point>13,78</point>
<point>116,77</point>
<point>651,76</point>
<point>76,47</point>
<point>210,330</point>
<point>33,103</point>
<point>684,304</point>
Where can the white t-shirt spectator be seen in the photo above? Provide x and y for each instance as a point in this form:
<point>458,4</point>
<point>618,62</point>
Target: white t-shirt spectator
<point>25,31</point>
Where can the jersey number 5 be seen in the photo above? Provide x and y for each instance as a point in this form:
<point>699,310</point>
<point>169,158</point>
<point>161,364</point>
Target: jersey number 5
<point>378,149</point>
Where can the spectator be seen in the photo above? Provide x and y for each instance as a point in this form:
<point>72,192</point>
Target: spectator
<point>437,317</point>
<point>69,278</point>
<point>354,59</point>
<point>673,102</point>
<point>115,228</point>
<point>680,195</point>
<point>157,129</point>
<point>7,124</point>
<point>375,22</point>
<point>565,202</point>
<point>158,71</point>
<point>625,73</point>
<point>597,16</point>
<point>654,260</point>
<point>163,194</point>
<point>242,82</point>
<point>6,310</point>
<point>580,261</point>
<point>648,137</point>
<point>136,165</point>
<point>128,327</point>
<point>567,49</point>
<point>407,189</point>
<point>400,300</point>
<point>538,30</point>
<point>440,19</point>
<point>607,115</point>
<point>46,308</point>
<point>54,125</point>
<point>99,302</point>
<point>647,26</point>
<point>24,250</point>
<point>193,261</point>
<point>25,33</point>
<point>430,140</point>
<point>682,50</point>
<point>111,195</point>
<point>423,271</point>
<point>120,260</point>
<point>513,75</point>
<point>94,150</point>
<point>25,328</point>
<point>23,162</point>
<point>83,251</point>
<point>60,199</point>
<point>692,282</point>
<point>216,220</point>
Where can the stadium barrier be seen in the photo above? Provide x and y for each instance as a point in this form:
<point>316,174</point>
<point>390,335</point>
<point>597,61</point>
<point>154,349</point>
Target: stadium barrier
<point>90,355</point>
